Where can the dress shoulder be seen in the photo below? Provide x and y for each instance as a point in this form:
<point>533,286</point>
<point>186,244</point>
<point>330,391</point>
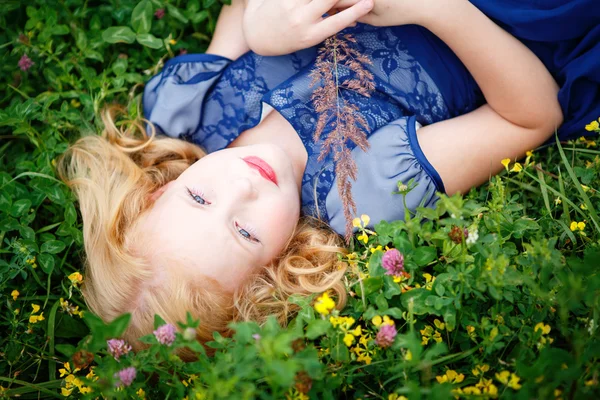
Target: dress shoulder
<point>173,98</point>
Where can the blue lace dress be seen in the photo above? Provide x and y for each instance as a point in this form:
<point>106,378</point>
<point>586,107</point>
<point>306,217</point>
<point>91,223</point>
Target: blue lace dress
<point>210,100</point>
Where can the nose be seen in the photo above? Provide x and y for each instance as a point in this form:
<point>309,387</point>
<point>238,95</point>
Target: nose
<point>243,189</point>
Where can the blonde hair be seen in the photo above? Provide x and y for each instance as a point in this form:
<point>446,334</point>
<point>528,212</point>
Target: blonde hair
<point>113,176</point>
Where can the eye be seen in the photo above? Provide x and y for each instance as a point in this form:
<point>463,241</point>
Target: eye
<point>247,233</point>
<point>198,197</point>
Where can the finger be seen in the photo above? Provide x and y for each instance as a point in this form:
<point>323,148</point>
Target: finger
<point>317,8</point>
<point>335,23</point>
<point>345,3</point>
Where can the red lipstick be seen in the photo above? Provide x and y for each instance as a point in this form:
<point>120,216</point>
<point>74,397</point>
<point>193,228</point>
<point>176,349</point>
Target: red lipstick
<point>262,167</point>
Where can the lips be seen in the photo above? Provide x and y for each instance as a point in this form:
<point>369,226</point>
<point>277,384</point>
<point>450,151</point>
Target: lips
<point>262,167</point>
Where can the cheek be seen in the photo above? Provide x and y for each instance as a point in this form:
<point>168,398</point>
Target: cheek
<point>282,217</point>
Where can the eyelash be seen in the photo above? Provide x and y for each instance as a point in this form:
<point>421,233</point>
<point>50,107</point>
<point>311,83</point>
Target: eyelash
<point>194,194</point>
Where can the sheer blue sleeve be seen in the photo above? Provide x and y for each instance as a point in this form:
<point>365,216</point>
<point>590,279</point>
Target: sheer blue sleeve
<point>174,99</point>
<point>394,156</point>
<point>210,100</point>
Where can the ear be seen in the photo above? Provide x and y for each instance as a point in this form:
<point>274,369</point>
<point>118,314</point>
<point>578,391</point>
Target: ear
<point>155,196</point>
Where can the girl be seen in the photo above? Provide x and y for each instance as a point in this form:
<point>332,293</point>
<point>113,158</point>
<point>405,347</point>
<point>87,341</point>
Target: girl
<point>169,229</point>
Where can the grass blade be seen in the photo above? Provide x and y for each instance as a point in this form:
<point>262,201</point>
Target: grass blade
<point>544,192</point>
<point>586,200</point>
<point>51,327</point>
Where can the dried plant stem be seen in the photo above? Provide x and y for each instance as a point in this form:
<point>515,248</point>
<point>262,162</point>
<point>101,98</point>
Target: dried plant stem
<point>346,123</point>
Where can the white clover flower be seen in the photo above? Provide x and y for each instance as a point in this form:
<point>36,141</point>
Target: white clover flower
<point>473,235</point>
<point>591,327</point>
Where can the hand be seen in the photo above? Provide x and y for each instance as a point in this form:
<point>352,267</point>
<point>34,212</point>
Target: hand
<point>395,12</point>
<point>276,27</point>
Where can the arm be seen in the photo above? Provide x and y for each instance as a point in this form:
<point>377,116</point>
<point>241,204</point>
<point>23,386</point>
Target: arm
<point>522,110</point>
<point>228,39</point>
<point>514,81</point>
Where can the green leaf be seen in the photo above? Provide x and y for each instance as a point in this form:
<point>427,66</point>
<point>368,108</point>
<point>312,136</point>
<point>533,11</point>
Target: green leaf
<point>70,214</point>
<point>47,262</point>
<point>317,328</point>
<point>52,247</point>
<point>141,18</point>
<point>424,255</point>
<point>94,55</point>
<point>119,67</point>
<point>375,268</point>
<point>370,285</point>
<point>118,326</point>
<point>9,224</point>
<point>199,17</point>
<point>339,352</point>
<point>20,207</point>
<point>149,40</point>
<point>60,30</point>
<point>175,13</point>
<point>158,321</point>
<point>394,312</point>
<point>118,34</point>
<point>66,349</point>
<point>70,327</point>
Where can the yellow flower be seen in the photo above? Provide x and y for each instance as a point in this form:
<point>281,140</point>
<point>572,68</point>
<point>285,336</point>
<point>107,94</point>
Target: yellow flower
<point>509,379</point>
<point>408,356</point>
<point>377,321</point>
<point>374,249</point>
<point>505,162</point>
<point>517,167</point>
<point>585,188</point>
<point>365,219</point>
<point>439,324</point>
<point>487,387</point>
<point>584,208</point>
<point>529,153</point>
<point>348,339</point>
<point>66,392</point>
<point>557,201</point>
<point>493,333</point>
<point>577,226</point>
<point>34,319</point>
<point>15,293</point>
<point>450,376</point>
<point>85,389</point>
<point>357,331</point>
<point>364,237</point>
<point>480,369</point>
<point>91,375</point>
<point>36,308</point>
<point>76,278</point>
<point>324,304</point>
<point>544,328</point>
<point>173,42</point>
<point>356,223</point>
<point>365,357</point>
<point>592,126</point>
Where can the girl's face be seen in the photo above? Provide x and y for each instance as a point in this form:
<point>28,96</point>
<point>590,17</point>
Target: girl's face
<point>225,215</point>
